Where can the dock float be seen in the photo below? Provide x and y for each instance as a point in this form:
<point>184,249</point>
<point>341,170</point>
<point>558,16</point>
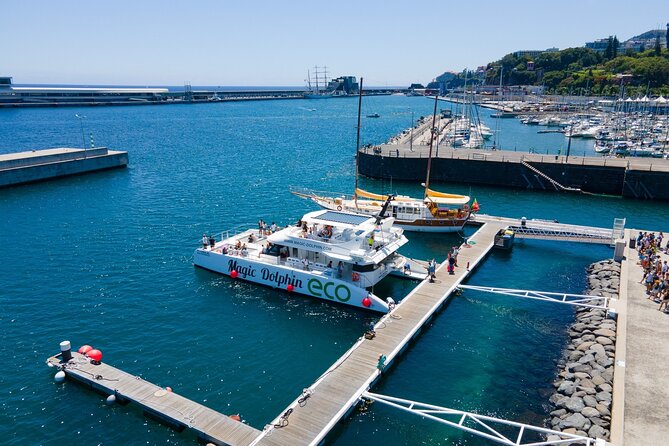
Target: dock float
<point>39,165</point>
<point>157,402</point>
<point>312,415</point>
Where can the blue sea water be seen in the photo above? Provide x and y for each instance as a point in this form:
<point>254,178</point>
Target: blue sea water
<point>105,259</point>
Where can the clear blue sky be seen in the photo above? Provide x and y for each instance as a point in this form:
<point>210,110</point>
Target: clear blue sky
<point>261,42</point>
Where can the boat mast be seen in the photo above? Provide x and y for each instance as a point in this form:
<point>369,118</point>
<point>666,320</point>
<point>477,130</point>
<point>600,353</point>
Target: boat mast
<point>357,145</point>
<point>429,157</point>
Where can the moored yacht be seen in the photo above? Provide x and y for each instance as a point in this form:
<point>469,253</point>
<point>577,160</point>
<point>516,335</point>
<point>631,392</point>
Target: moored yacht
<point>329,255</point>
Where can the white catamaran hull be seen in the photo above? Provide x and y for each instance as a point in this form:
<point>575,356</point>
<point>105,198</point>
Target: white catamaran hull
<point>309,283</point>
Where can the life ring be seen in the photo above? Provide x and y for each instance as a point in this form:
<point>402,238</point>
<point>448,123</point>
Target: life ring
<point>355,277</point>
<point>339,208</point>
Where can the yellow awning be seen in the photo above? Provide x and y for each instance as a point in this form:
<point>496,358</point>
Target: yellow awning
<point>442,198</point>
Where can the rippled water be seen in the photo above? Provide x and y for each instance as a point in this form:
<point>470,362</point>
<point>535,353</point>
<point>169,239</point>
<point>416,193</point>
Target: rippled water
<point>105,259</point>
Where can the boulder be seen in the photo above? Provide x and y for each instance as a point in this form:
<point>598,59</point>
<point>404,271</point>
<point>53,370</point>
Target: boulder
<point>605,332</point>
<point>582,375</point>
<point>597,349</point>
<point>583,346</point>
<point>590,412</point>
<point>589,401</point>
<point>575,420</point>
<point>601,396</point>
<point>586,383</point>
<point>558,412</point>
<point>597,432</point>
<point>567,388</point>
<point>602,409</point>
<point>601,340</point>
<point>605,387</point>
<point>575,404</point>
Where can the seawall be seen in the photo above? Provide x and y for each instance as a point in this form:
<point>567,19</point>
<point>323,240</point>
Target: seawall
<point>509,169</point>
<point>40,165</point>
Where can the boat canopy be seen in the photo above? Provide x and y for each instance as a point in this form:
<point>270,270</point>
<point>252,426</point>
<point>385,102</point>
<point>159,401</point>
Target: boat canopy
<point>442,198</point>
<point>372,196</point>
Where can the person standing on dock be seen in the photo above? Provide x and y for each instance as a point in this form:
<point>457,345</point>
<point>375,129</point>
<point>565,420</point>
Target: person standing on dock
<point>456,251</point>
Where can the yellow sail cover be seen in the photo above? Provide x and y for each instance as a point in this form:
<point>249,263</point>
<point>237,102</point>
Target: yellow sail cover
<point>371,196</point>
<point>442,198</point>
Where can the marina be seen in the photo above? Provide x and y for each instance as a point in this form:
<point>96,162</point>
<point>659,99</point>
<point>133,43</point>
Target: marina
<point>259,368</point>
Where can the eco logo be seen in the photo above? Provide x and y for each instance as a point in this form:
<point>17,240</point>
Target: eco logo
<point>329,290</point>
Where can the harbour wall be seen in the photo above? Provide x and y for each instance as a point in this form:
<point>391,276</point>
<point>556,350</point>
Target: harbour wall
<point>64,162</point>
<point>596,179</point>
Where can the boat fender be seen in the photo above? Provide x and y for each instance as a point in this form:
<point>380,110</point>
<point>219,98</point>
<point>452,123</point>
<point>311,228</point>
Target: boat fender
<point>339,208</point>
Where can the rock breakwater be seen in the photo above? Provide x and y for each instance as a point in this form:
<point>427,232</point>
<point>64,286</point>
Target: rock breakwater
<point>584,385</point>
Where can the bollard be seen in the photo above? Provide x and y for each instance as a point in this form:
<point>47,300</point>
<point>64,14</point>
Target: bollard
<point>65,351</point>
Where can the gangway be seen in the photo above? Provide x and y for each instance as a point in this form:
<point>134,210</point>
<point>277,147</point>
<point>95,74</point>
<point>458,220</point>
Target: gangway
<point>581,300</point>
<point>485,426</point>
<point>552,230</point>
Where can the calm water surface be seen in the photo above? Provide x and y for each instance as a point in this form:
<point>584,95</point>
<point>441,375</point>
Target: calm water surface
<point>105,259</point>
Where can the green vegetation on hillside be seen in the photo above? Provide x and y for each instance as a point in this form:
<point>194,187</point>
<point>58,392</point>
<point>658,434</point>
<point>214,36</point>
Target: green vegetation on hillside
<point>582,70</point>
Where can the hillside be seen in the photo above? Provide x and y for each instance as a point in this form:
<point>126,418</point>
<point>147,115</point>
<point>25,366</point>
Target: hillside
<point>582,70</point>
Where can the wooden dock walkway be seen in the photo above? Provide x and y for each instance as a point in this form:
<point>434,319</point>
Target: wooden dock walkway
<point>169,407</point>
<point>337,391</point>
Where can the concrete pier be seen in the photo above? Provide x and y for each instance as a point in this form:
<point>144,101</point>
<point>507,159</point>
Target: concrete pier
<point>644,178</point>
<point>40,165</point>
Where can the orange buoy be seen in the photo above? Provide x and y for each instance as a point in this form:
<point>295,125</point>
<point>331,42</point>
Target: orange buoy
<point>236,417</point>
<point>85,349</point>
<point>95,355</point>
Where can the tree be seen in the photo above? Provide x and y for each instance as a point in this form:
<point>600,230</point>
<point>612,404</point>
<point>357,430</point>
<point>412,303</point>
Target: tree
<point>615,46</point>
<point>608,53</point>
<point>658,47</point>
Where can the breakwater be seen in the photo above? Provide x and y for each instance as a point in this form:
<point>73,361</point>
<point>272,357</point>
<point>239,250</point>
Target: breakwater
<point>584,385</point>
<point>632,178</point>
<point>40,165</point>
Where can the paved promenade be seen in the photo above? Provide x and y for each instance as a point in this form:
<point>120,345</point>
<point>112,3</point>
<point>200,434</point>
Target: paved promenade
<point>646,392</point>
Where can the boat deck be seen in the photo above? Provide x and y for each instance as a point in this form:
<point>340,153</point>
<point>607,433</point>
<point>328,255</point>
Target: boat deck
<point>173,409</point>
<point>341,386</point>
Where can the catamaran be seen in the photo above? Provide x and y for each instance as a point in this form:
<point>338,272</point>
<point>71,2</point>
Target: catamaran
<point>435,212</point>
<point>329,255</point>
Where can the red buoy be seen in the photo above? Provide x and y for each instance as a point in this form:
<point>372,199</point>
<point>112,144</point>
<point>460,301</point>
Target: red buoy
<point>235,417</point>
<point>234,273</point>
<point>290,288</point>
<point>366,302</point>
<point>95,355</point>
<point>85,349</point>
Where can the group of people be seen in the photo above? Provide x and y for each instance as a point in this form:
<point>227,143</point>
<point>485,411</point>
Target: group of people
<point>325,232</point>
<point>264,229</point>
<point>656,270</point>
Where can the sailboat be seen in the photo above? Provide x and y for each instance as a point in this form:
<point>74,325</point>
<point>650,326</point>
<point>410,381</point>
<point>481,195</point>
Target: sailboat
<point>318,93</point>
<point>435,212</point>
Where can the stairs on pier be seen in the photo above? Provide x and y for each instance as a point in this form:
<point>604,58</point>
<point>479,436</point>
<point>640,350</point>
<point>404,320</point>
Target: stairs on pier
<point>558,186</point>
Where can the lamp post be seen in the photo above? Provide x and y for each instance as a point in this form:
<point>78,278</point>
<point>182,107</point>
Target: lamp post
<point>83,136</point>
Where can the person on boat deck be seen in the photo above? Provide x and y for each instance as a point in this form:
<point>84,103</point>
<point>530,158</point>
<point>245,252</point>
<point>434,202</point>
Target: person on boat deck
<point>305,263</point>
<point>330,264</point>
<point>238,245</point>
<point>340,269</point>
<point>245,251</point>
<point>370,240</point>
<point>261,225</point>
<point>205,241</point>
<point>407,268</point>
<point>251,238</point>
<point>273,227</point>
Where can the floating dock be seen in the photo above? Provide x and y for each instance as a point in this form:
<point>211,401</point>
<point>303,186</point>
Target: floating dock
<point>157,402</point>
<point>313,414</point>
<point>340,388</point>
<point>40,165</point>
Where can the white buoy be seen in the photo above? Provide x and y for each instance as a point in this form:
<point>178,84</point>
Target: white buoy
<point>111,399</point>
<point>59,377</point>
